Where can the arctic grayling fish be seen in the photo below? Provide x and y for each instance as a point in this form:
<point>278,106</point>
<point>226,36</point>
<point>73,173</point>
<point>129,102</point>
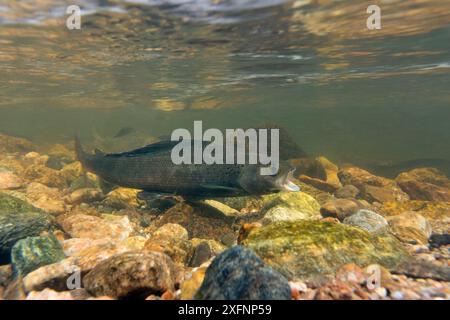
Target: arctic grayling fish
<point>151,169</point>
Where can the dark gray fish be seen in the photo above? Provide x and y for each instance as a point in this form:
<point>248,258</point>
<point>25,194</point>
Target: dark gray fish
<point>151,169</point>
<point>124,132</point>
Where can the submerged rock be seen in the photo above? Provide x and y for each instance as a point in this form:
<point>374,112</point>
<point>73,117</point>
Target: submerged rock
<point>85,195</point>
<point>425,184</point>
<point>132,274</point>
<point>19,220</point>
<point>347,192</point>
<point>48,199</point>
<point>410,227</point>
<point>9,180</point>
<point>307,249</point>
<point>198,221</point>
<point>340,208</point>
<point>325,175</point>
<point>201,253</point>
<point>171,239</point>
<point>192,283</point>
<point>33,252</point>
<point>368,220</point>
<point>92,227</point>
<point>373,188</point>
<point>299,201</point>
<point>280,213</point>
<point>122,198</point>
<point>45,175</point>
<point>14,144</point>
<point>238,274</point>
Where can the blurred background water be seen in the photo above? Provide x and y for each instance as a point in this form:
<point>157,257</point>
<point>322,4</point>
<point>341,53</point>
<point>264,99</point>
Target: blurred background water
<point>312,66</point>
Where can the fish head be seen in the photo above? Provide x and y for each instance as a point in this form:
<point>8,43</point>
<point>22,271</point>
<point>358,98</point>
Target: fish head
<point>254,183</point>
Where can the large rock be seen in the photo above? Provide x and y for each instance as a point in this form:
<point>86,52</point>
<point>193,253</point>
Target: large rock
<point>437,213</point>
<point>368,220</point>
<point>171,239</point>
<point>299,201</point>
<point>132,274</point>
<point>92,227</point>
<point>45,175</point>
<point>122,198</point>
<point>280,213</point>
<point>410,227</point>
<point>238,274</point>
<point>9,180</point>
<point>373,188</point>
<point>33,252</point>
<point>84,254</point>
<point>425,184</point>
<point>307,249</point>
<point>19,220</point>
<point>48,199</point>
<point>324,176</point>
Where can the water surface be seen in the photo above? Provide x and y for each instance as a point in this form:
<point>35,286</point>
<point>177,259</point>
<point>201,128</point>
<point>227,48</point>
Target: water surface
<point>343,91</point>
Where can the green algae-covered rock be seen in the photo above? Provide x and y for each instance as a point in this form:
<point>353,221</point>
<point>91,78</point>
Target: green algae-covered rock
<point>32,253</point>
<point>299,201</point>
<point>10,204</point>
<point>19,220</point>
<point>281,213</point>
<point>307,249</point>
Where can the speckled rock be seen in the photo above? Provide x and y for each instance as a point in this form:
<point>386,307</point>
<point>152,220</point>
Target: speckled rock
<point>48,199</point>
<point>171,239</point>
<point>33,252</point>
<point>410,227</point>
<point>131,274</point>
<point>19,220</point>
<point>238,274</point>
<point>92,227</point>
<point>280,213</point>
<point>307,249</point>
<point>368,220</point>
<point>52,276</point>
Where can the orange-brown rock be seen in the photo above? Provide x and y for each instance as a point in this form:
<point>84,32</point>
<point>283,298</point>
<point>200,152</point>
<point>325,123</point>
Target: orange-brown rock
<point>425,184</point>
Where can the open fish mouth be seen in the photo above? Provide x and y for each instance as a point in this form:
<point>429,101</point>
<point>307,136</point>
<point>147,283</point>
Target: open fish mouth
<point>288,185</point>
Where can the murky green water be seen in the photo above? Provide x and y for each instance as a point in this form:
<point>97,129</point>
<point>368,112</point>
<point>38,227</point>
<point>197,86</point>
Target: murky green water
<point>343,91</point>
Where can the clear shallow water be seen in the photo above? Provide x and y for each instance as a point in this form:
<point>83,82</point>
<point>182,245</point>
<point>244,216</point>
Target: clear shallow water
<point>343,91</point>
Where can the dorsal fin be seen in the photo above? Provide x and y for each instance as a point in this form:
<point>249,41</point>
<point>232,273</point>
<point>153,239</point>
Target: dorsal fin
<point>151,148</point>
<point>99,152</point>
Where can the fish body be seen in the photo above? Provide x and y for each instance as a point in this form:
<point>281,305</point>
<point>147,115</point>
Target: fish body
<point>151,169</point>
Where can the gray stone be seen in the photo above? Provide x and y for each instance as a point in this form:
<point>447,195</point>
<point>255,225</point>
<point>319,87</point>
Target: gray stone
<point>367,220</point>
<point>239,274</point>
